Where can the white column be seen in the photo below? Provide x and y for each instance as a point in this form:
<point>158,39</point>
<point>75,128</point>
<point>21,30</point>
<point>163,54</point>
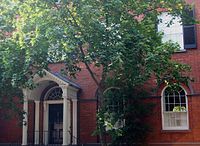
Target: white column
<point>69,130</point>
<point>66,117</point>
<point>45,123</point>
<point>74,121</point>
<point>25,119</point>
<point>37,113</point>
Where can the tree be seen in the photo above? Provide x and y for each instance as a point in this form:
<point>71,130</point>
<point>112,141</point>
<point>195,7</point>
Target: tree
<point>118,36</point>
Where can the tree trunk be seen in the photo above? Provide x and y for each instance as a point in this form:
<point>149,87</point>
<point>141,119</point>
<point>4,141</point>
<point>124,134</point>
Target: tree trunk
<point>102,134</point>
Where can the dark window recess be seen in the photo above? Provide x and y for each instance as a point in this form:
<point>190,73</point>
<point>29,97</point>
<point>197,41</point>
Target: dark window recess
<point>189,37</point>
<point>189,31</point>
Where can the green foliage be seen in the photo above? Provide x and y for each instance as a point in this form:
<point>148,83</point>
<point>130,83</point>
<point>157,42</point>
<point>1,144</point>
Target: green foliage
<point>179,109</point>
<point>118,36</point>
<point>124,115</point>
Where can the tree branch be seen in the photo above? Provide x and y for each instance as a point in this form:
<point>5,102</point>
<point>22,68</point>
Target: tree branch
<point>131,12</point>
<point>81,50</point>
<point>87,65</point>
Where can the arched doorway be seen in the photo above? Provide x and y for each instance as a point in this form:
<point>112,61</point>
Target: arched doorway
<point>54,115</point>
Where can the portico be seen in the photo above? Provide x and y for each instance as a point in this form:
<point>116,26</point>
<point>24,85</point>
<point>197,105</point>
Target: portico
<point>58,97</point>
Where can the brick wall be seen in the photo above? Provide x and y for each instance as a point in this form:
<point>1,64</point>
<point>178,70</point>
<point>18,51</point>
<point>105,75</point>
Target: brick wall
<point>185,137</point>
<point>9,126</point>
<point>11,132</point>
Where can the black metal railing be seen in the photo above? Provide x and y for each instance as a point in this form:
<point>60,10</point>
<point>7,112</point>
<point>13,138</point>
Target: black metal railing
<point>55,136</point>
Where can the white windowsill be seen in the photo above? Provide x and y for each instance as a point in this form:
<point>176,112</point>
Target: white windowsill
<point>176,129</point>
<point>180,51</point>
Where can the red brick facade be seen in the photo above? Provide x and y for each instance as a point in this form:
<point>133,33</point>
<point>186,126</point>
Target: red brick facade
<point>182,137</point>
<point>10,132</point>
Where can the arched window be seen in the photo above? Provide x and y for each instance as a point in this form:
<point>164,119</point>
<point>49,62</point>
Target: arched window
<point>55,93</point>
<point>115,109</point>
<point>174,109</point>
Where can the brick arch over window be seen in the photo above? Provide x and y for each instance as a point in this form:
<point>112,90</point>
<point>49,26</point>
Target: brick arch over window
<point>174,109</point>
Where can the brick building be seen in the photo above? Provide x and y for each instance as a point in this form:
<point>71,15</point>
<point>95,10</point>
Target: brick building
<point>72,118</point>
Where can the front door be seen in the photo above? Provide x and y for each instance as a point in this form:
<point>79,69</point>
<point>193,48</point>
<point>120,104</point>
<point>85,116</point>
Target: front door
<point>55,123</point>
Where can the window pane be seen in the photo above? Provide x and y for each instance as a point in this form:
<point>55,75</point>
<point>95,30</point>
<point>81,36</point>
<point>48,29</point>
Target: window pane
<point>183,105</point>
<point>171,99</point>
<point>167,107</point>
<point>171,107</point>
<point>183,99</point>
<point>166,99</point>
<point>177,100</point>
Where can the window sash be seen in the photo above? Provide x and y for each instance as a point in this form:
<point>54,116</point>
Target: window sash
<point>175,121</point>
<point>173,32</point>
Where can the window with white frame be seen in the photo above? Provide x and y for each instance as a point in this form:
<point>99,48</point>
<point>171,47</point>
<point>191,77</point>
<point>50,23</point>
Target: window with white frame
<point>173,29</point>
<point>174,109</point>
